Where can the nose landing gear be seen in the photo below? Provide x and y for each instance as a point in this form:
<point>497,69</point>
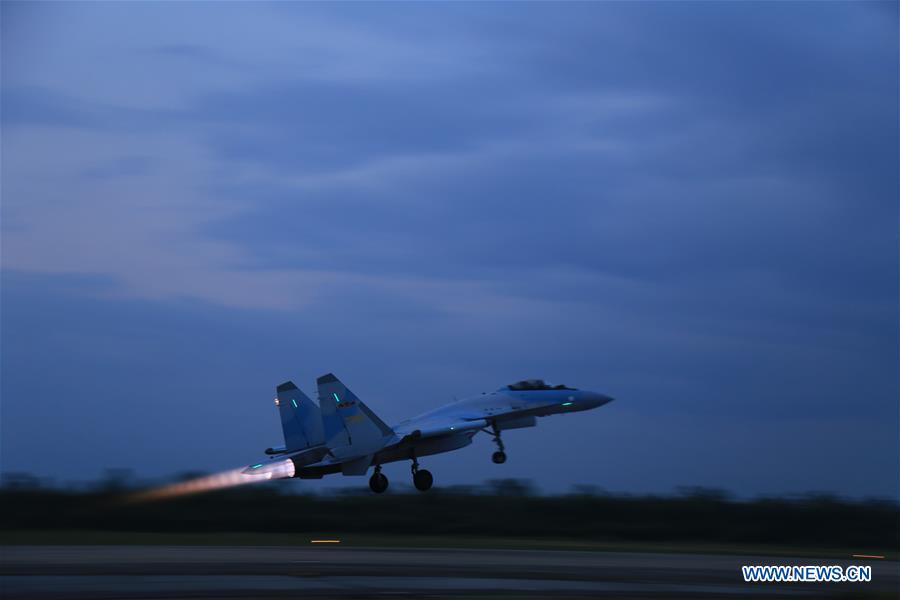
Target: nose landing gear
<point>378,482</point>
<point>422,478</point>
<point>499,457</point>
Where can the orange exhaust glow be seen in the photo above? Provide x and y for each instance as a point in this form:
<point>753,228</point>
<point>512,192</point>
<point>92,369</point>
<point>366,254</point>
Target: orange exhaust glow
<point>218,481</point>
<point>324,541</point>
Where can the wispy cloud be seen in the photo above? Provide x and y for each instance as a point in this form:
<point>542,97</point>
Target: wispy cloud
<point>706,193</point>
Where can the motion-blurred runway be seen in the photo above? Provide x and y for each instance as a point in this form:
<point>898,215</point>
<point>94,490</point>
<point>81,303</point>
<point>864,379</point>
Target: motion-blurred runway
<point>103,572</point>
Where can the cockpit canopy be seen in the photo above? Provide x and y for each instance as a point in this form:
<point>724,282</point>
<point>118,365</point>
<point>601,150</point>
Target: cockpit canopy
<point>535,384</point>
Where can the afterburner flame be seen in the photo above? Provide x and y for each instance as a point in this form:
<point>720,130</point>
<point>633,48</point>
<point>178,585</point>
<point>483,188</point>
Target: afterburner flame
<point>226,479</point>
<point>273,470</point>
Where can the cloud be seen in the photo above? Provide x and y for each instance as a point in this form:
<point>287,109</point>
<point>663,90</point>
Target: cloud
<point>694,205</point>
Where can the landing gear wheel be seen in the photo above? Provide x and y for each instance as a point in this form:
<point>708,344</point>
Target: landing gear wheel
<point>378,482</point>
<point>499,457</point>
<point>423,480</point>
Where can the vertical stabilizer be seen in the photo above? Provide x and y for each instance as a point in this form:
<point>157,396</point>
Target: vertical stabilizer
<point>301,418</point>
<point>347,420</point>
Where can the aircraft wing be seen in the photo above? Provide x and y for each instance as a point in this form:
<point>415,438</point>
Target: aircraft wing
<point>416,430</point>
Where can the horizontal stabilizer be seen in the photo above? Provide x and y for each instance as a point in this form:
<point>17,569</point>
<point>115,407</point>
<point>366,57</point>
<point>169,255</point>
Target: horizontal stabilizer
<point>357,466</point>
<point>310,456</point>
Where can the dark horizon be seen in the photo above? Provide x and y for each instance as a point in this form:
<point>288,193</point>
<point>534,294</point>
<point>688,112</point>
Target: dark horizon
<point>123,480</point>
<point>506,509</point>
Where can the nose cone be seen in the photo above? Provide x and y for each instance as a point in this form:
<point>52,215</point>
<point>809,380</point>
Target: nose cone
<point>596,399</point>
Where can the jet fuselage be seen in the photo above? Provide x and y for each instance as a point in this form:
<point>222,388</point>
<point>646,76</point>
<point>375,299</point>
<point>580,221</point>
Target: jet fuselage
<point>341,434</point>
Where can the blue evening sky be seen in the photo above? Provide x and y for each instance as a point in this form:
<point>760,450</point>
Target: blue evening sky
<point>690,207</point>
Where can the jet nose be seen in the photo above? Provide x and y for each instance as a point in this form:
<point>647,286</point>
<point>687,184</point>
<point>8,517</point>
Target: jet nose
<point>600,399</point>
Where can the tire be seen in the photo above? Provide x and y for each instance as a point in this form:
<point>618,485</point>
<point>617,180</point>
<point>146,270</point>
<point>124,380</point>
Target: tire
<point>499,457</point>
<point>423,480</point>
<point>378,483</point>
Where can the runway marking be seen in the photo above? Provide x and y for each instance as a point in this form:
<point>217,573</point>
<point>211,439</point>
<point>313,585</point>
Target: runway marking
<point>867,556</point>
<point>324,541</point>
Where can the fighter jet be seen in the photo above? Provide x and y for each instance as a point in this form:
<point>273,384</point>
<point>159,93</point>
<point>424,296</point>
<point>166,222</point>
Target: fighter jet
<point>341,434</point>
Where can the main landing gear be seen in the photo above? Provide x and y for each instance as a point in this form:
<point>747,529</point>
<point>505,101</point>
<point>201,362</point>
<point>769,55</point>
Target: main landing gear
<point>378,482</point>
<point>422,478</point>
<point>499,457</point>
